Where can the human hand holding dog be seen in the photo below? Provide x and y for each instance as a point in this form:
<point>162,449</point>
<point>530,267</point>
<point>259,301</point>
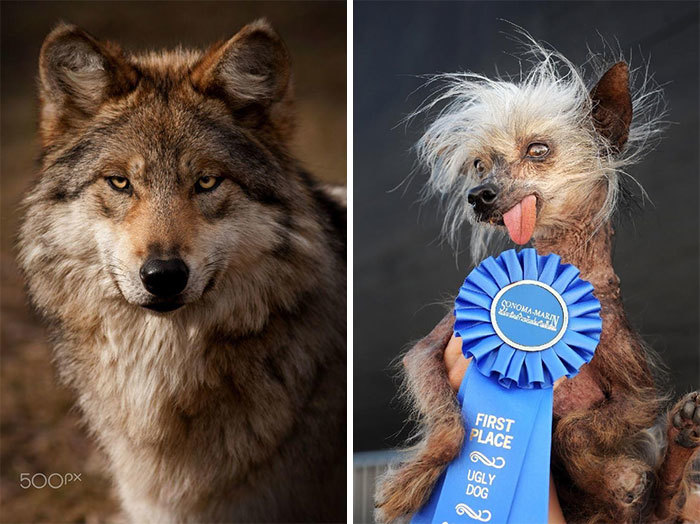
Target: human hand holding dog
<point>455,362</point>
<point>456,366</point>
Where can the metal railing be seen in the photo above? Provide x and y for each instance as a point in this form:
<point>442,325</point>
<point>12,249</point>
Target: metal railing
<point>367,466</point>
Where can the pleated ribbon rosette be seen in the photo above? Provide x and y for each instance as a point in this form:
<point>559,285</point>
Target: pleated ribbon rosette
<point>525,320</point>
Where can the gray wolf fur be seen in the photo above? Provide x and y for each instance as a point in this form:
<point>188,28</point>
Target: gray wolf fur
<point>192,276</point>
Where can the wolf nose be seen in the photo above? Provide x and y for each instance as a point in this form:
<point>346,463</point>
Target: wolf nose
<point>483,195</point>
<point>164,278</point>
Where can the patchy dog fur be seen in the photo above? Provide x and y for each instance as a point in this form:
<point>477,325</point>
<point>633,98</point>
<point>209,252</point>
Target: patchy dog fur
<point>605,463</point>
<point>231,407</point>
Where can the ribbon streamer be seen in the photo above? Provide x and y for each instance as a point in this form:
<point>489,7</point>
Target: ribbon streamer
<point>483,515</point>
<point>497,462</point>
<point>525,320</point>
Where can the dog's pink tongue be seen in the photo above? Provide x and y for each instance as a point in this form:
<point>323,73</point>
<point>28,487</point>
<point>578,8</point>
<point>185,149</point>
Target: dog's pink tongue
<point>520,221</point>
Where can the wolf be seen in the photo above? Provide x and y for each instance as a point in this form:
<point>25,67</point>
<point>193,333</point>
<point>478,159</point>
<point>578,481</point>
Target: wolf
<point>542,157</point>
<point>193,277</point>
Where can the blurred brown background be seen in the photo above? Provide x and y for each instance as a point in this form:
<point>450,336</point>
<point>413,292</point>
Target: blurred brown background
<point>40,433</point>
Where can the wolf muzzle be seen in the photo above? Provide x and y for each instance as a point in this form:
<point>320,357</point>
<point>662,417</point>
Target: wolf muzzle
<point>164,278</point>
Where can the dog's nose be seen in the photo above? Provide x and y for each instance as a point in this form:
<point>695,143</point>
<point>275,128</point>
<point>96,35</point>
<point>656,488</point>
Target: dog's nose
<point>164,278</point>
<point>483,195</point>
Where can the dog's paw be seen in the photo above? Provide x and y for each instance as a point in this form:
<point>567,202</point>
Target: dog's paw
<point>628,481</point>
<point>402,492</point>
<point>685,418</point>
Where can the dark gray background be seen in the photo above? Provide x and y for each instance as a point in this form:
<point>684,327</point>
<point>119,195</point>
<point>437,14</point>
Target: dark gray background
<point>402,271</point>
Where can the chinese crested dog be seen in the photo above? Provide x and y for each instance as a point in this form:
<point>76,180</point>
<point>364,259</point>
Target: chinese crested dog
<point>542,157</point>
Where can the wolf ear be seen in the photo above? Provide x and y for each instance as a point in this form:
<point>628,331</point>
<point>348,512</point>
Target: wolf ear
<point>612,105</point>
<point>249,71</point>
<point>77,74</point>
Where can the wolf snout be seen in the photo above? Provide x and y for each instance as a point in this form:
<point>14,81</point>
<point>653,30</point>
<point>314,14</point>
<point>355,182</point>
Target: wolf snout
<point>164,278</point>
<point>482,197</point>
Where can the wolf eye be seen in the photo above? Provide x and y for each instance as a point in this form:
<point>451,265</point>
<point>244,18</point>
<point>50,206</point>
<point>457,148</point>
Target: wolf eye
<point>537,150</point>
<point>479,165</point>
<point>119,183</point>
<point>207,183</point>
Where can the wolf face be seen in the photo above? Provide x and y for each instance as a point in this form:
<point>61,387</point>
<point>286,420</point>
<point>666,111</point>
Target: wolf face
<point>163,172</point>
<point>193,276</point>
<point>538,155</point>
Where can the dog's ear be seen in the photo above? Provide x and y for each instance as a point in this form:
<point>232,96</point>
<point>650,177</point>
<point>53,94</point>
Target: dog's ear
<point>77,74</point>
<point>250,71</point>
<point>612,105</point>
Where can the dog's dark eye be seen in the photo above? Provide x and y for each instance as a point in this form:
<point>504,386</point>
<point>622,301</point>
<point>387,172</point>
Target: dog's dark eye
<point>119,183</point>
<point>207,183</point>
<point>537,150</point>
<point>480,166</point>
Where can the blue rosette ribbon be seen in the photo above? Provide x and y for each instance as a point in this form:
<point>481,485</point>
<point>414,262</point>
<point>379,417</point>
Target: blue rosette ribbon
<point>526,321</point>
